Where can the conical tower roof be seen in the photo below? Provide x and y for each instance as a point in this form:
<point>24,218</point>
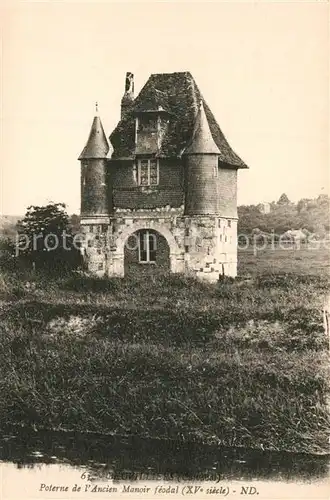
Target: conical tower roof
<point>97,145</point>
<point>202,141</point>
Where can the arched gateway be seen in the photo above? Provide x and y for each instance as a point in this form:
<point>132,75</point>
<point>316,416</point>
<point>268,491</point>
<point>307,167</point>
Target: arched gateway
<point>146,252</point>
<point>147,248</point>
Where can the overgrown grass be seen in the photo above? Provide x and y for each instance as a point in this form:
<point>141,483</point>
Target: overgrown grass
<point>241,363</point>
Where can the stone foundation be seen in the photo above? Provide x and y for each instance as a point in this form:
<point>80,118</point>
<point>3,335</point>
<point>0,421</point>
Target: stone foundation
<point>202,246</point>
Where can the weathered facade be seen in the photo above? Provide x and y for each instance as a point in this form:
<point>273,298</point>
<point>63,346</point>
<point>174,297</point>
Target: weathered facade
<point>164,200</point>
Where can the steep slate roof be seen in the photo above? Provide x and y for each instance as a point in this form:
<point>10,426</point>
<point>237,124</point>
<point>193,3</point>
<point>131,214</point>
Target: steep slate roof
<point>97,145</point>
<point>202,141</point>
<point>178,94</point>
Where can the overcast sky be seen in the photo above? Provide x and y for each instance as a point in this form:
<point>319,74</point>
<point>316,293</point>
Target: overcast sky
<point>262,67</point>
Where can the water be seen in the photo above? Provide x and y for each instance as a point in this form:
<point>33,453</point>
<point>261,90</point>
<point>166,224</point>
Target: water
<point>36,461</point>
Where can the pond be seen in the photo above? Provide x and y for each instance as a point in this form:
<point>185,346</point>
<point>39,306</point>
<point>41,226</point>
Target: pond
<point>43,464</point>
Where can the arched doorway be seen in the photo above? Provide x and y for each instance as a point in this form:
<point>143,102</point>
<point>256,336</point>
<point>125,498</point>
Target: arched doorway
<point>146,252</point>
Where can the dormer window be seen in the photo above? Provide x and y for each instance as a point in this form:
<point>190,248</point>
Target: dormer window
<point>150,128</point>
<point>148,172</point>
<point>147,124</point>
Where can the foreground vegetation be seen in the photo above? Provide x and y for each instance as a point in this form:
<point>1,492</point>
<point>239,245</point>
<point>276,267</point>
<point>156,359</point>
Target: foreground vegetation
<point>240,363</point>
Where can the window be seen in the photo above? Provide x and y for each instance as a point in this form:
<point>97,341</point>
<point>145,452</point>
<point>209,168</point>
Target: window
<point>147,124</point>
<point>100,266</point>
<point>229,223</point>
<point>147,247</point>
<point>148,172</point>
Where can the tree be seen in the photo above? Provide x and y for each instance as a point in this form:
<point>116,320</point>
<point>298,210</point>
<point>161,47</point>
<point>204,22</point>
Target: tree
<point>7,254</point>
<point>75,223</point>
<point>45,238</point>
<point>283,200</point>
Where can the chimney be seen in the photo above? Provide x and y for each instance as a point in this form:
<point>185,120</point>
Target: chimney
<point>128,97</point>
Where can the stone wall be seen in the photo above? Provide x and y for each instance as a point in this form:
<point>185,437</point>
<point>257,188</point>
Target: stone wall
<point>202,246</point>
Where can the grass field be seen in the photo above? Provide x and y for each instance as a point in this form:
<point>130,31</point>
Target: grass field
<point>242,363</point>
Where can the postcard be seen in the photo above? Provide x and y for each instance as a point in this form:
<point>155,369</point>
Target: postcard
<point>164,250</point>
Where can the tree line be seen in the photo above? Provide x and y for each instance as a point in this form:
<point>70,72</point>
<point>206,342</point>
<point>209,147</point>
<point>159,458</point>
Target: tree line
<point>312,215</point>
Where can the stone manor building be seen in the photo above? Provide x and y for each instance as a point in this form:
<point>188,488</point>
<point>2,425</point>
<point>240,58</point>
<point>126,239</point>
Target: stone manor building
<point>163,197</point>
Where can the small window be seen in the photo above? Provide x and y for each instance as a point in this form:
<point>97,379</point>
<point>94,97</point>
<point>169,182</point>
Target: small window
<point>147,124</point>
<point>219,223</point>
<point>100,266</point>
<point>104,228</point>
<point>229,223</point>
<point>147,247</point>
<point>215,171</point>
<point>186,248</point>
<point>148,172</point>
<point>186,231</point>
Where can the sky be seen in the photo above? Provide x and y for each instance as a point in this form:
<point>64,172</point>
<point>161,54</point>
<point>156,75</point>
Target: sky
<point>262,67</point>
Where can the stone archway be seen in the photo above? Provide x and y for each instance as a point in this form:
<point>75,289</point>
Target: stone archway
<point>146,252</point>
<point>175,253</point>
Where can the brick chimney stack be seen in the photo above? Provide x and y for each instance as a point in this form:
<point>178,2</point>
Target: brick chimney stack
<point>128,97</point>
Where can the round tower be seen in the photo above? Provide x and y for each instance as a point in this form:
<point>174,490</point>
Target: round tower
<point>201,163</point>
<point>95,193</point>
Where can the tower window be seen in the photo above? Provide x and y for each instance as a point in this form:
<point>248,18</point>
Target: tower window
<point>148,172</point>
<point>147,247</point>
<point>147,124</point>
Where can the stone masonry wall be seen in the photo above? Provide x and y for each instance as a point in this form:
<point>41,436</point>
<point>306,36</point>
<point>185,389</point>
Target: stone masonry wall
<point>201,246</point>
